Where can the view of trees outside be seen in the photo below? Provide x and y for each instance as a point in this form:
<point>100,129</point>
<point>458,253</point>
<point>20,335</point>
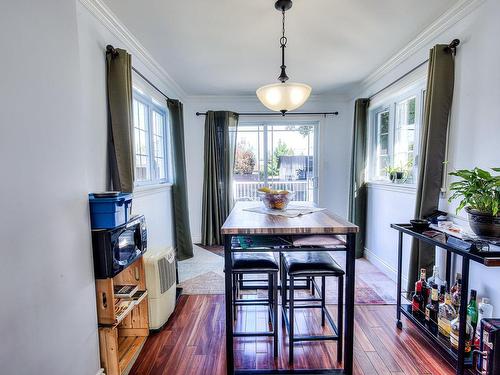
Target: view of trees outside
<point>273,155</point>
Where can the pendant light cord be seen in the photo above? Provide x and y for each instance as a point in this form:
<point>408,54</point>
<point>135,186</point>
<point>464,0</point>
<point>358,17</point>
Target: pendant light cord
<point>283,40</point>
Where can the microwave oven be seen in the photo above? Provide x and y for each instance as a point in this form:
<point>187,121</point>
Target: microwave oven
<point>117,248</point>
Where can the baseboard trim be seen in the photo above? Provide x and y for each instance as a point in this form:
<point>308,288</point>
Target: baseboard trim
<point>383,266</point>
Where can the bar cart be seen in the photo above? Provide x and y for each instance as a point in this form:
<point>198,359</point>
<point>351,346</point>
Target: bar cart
<point>453,247</point>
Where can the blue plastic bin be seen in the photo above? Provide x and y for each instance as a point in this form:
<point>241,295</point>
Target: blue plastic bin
<point>107,213</point>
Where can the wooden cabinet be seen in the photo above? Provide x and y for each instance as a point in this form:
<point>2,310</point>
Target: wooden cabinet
<point>121,334</point>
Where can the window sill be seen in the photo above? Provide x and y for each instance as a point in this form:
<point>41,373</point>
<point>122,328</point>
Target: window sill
<point>395,187</point>
<point>145,190</point>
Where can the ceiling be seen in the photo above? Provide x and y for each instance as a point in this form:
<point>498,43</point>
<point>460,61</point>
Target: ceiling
<point>231,47</point>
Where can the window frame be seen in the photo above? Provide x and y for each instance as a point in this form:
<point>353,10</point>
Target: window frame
<point>153,105</point>
<point>390,104</point>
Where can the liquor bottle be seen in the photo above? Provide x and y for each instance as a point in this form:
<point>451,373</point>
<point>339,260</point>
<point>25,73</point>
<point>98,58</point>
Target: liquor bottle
<point>442,293</point>
<point>425,288</point>
<point>454,335</point>
<point>417,303</point>
<point>431,311</point>
<point>456,291</point>
<point>472,312</point>
<point>446,314</point>
<point>435,279</point>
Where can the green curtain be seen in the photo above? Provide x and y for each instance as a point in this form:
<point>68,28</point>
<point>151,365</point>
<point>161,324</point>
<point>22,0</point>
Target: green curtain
<point>358,192</point>
<point>119,92</point>
<point>438,100</point>
<point>182,229</point>
<point>220,145</point>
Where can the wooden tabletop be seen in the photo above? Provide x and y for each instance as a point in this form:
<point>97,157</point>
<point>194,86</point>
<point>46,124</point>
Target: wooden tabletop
<point>240,221</point>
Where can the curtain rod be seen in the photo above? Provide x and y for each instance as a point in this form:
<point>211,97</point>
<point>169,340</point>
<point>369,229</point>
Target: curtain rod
<point>278,114</point>
<point>452,47</point>
<point>110,49</point>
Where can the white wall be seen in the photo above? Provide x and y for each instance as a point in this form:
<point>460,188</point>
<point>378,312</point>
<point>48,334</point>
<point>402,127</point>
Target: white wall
<point>53,144</point>
<point>335,145</point>
<point>48,318</point>
<point>474,131</point>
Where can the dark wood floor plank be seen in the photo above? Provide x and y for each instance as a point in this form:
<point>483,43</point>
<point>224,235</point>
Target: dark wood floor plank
<point>193,340</point>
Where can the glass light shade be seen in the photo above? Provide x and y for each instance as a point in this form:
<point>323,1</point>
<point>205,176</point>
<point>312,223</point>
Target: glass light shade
<point>284,96</point>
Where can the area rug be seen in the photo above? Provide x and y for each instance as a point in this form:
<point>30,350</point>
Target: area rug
<point>203,275</point>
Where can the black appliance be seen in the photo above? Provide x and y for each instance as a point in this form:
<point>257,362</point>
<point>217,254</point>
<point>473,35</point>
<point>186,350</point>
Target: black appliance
<point>489,355</point>
<point>117,248</point>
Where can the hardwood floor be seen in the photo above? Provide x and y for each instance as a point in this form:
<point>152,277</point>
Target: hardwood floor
<point>193,343</point>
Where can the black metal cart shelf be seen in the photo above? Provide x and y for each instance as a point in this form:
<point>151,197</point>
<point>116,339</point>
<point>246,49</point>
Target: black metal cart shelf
<point>459,359</point>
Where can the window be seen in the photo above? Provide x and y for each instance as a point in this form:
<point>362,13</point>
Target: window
<point>150,140</point>
<point>281,155</point>
<point>394,136</point>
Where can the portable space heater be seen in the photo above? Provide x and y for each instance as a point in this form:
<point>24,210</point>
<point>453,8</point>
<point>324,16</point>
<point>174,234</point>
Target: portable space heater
<point>161,285</point>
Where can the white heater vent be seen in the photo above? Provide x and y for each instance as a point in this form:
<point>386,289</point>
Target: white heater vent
<point>166,273</point>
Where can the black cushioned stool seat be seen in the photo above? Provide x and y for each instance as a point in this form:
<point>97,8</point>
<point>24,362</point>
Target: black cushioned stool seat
<point>309,263</point>
<point>254,261</point>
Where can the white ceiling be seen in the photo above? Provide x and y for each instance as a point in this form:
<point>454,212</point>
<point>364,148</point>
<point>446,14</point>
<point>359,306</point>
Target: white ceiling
<point>231,47</point>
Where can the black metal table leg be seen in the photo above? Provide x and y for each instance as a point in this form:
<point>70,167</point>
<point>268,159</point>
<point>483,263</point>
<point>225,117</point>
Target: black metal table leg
<point>399,324</point>
<point>349,303</point>
<point>228,267</point>
<point>463,315</point>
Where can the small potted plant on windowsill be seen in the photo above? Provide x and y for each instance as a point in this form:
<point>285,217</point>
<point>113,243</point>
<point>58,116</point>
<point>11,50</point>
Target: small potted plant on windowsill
<point>400,173</point>
<point>479,192</point>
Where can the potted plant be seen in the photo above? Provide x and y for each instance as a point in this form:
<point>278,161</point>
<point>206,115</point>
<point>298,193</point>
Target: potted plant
<point>400,173</point>
<point>479,192</point>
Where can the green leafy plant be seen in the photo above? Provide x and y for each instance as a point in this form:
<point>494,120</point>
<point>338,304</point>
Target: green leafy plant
<point>478,189</point>
<point>281,149</point>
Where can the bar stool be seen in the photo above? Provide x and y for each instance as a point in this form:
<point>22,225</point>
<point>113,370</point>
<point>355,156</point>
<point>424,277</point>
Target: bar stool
<point>257,263</point>
<point>311,264</point>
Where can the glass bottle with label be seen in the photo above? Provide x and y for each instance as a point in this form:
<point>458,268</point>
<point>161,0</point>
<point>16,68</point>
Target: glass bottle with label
<point>417,303</point>
<point>425,288</point>
<point>432,309</point>
<point>445,316</point>
<point>472,312</point>
<point>456,291</point>
<point>454,335</point>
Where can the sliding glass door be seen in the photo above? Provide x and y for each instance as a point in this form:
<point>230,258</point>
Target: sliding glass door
<point>281,155</point>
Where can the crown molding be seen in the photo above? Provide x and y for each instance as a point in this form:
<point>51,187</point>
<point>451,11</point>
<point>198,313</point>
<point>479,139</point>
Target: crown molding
<point>317,98</point>
<point>456,13</point>
<point>107,18</point>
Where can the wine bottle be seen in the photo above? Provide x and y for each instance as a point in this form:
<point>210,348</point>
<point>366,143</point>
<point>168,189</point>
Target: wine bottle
<point>472,313</point>
<point>417,303</point>
<point>432,310</point>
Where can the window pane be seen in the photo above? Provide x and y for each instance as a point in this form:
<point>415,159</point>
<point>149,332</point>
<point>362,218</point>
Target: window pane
<point>384,122</point>
<point>159,171</point>
<point>381,144</point>
<point>141,141</point>
<point>404,137</point>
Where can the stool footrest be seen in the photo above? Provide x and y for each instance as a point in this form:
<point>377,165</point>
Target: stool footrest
<point>251,334</point>
<point>315,338</point>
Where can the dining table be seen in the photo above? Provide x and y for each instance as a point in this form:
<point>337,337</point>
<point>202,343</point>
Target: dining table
<point>242,223</point>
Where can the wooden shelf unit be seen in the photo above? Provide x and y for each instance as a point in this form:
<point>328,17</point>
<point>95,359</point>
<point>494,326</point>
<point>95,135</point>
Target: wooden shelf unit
<point>121,337</point>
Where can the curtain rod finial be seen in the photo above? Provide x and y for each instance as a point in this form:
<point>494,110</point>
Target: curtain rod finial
<point>110,49</point>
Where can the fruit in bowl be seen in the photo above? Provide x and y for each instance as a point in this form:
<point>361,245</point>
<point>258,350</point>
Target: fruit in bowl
<point>275,199</point>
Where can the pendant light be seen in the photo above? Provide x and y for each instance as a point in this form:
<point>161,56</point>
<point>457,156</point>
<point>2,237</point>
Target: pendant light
<point>283,96</point>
